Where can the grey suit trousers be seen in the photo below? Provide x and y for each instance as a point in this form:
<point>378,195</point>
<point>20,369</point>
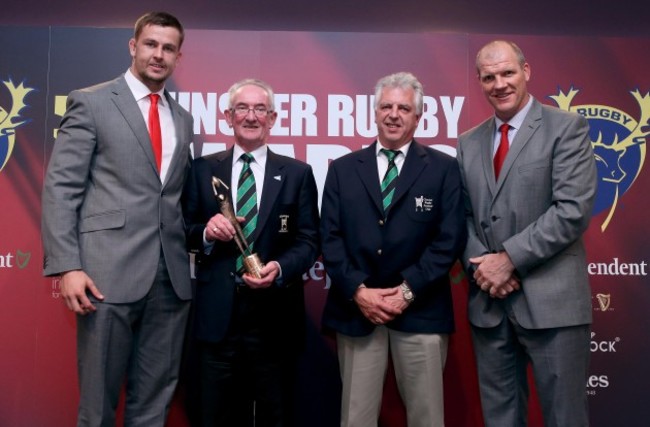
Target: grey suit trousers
<point>153,327</point>
<point>559,358</point>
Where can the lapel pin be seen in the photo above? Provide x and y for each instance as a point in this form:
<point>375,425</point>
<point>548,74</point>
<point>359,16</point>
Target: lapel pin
<point>284,223</point>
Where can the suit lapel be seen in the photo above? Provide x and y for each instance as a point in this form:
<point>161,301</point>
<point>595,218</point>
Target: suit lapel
<point>128,107</point>
<point>179,127</point>
<point>222,168</point>
<point>369,174</point>
<point>274,178</point>
<point>487,156</point>
<point>524,134</point>
<point>414,163</point>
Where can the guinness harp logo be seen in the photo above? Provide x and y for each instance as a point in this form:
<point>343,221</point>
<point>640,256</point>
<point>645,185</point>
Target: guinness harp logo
<point>603,301</point>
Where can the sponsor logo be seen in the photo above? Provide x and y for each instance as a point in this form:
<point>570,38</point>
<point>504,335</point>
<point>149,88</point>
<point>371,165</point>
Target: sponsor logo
<point>618,268</point>
<point>56,287</point>
<point>606,346</point>
<point>22,258</point>
<point>596,383</point>
<point>604,302</point>
<point>10,119</point>
<point>10,260</point>
<point>619,143</point>
<point>317,274</point>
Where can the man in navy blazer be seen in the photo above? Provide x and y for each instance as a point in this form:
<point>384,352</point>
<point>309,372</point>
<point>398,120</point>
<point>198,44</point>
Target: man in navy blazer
<point>389,265</point>
<point>248,330</point>
<point>530,299</point>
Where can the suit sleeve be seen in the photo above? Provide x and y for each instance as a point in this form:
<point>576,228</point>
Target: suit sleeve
<point>303,252</point>
<point>574,183</point>
<point>335,252</point>
<point>474,245</point>
<point>192,211</point>
<point>65,185</point>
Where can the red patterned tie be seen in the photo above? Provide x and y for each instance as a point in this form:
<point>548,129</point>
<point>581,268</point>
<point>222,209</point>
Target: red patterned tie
<point>154,129</point>
<point>502,151</point>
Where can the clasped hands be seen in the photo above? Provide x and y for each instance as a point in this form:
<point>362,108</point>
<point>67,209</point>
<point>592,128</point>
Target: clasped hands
<point>494,274</point>
<point>380,306</point>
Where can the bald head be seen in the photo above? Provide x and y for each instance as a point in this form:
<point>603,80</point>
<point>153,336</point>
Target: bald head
<point>496,47</point>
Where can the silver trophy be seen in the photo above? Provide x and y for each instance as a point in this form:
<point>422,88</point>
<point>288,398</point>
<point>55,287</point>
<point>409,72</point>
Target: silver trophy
<point>252,263</point>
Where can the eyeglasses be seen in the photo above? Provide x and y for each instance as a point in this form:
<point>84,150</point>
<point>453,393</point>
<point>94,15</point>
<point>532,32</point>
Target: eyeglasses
<point>242,110</point>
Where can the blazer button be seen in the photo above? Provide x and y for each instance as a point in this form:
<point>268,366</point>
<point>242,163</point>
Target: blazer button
<point>378,251</point>
<point>494,218</point>
<point>162,225</point>
<point>381,222</point>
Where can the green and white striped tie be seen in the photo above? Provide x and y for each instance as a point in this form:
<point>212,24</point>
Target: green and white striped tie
<point>390,179</point>
<point>246,204</point>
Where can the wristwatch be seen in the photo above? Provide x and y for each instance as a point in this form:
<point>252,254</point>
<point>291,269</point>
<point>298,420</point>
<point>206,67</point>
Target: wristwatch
<point>406,292</point>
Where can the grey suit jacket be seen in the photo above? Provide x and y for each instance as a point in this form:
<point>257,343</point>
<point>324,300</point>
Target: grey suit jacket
<point>105,210</point>
<point>537,212</point>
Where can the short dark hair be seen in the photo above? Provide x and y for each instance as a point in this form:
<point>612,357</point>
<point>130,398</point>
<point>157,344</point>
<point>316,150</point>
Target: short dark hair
<point>162,19</point>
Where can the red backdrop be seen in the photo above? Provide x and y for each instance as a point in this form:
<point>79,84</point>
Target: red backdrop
<point>324,83</point>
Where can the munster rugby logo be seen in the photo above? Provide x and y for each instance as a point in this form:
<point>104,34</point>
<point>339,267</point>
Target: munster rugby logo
<point>11,119</point>
<point>619,143</point>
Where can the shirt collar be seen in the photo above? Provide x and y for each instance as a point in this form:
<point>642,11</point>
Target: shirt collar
<point>403,149</point>
<point>518,118</point>
<point>139,89</point>
<point>259,154</point>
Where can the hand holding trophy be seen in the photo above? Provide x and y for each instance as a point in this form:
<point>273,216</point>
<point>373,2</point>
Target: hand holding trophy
<point>252,263</point>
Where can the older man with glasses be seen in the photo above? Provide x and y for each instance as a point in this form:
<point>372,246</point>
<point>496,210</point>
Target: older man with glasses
<point>248,330</point>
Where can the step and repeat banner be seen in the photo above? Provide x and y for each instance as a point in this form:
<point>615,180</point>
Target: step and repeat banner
<point>324,84</point>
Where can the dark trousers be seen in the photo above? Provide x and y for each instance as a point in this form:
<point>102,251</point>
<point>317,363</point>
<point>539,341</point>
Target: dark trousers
<point>247,379</point>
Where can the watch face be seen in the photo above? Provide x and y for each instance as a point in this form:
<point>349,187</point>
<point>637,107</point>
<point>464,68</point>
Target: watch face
<point>408,295</point>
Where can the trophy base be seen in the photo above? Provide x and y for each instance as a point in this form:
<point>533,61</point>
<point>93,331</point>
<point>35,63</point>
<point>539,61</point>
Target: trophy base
<point>253,265</point>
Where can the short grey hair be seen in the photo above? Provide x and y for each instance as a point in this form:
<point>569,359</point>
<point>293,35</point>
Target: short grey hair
<point>252,82</point>
<point>401,80</point>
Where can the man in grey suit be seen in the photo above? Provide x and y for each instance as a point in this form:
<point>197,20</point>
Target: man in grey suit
<point>529,298</point>
<point>112,228</point>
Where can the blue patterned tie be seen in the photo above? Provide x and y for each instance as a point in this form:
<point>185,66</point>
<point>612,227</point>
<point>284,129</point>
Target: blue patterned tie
<point>246,204</point>
<point>390,179</point>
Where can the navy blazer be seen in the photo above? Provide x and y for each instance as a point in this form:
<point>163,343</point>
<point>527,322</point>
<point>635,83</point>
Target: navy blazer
<point>418,240</point>
<point>289,195</point>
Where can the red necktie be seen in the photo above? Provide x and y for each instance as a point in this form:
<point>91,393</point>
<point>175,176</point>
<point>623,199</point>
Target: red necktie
<point>154,129</point>
<point>502,151</point>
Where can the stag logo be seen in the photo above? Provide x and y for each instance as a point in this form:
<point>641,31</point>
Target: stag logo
<point>10,120</point>
<point>619,143</point>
